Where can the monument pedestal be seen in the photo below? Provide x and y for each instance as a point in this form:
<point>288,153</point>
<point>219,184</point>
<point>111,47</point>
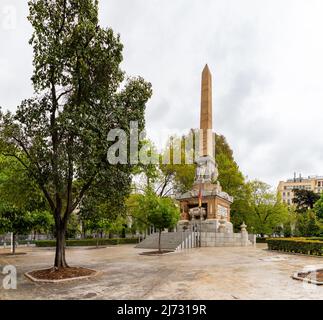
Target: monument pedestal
<point>208,225</point>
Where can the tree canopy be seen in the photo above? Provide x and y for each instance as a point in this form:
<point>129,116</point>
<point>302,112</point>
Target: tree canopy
<point>60,134</point>
<point>304,199</point>
<point>160,212</point>
<point>318,208</point>
<point>267,212</point>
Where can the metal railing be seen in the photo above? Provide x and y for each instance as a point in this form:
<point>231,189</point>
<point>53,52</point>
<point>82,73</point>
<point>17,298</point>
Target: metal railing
<point>190,239</point>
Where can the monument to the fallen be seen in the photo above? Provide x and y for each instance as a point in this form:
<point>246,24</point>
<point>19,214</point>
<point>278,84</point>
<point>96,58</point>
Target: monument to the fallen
<point>205,210</point>
<point>206,207</point>
<point>206,201</point>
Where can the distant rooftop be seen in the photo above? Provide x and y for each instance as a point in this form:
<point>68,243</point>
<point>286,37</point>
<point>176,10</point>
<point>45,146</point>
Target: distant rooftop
<point>303,179</point>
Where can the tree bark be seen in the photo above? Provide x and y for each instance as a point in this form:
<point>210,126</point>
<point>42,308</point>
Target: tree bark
<point>60,261</point>
<point>83,231</point>
<point>14,243</point>
<point>159,241</point>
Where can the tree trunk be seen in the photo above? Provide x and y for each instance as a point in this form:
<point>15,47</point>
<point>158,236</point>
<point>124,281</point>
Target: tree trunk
<point>159,241</point>
<point>13,243</point>
<point>60,261</point>
<point>83,231</point>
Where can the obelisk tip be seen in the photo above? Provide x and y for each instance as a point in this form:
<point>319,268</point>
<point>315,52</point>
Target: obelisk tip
<point>206,69</point>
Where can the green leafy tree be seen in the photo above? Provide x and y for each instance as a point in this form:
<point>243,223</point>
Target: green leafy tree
<point>165,179</point>
<point>222,146</point>
<point>100,213</point>
<point>137,212</point>
<point>17,188</point>
<point>267,212</point>
<point>60,135</point>
<point>15,220</point>
<point>150,209</point>
<point>304,199</point>
<point>73,226</point>
<point>42,222</point>
<point>19,193</point>
<point>177,175</point>
<point>231,179</point>
<point>148,173</point>
<point>164,215</point>
<point>307,224</point>
<point>233,182</point>
<point>318,208</point>
<point>290,224</point>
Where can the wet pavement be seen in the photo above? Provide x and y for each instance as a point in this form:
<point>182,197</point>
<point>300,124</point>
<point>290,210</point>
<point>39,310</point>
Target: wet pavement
<point>203,273</point>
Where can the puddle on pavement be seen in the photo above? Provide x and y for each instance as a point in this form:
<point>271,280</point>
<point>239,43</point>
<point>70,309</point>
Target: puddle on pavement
<point>275,258</point>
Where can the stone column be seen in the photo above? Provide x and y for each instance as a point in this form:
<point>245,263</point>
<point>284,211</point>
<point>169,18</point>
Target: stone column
<point>206,141</point>
<point>244,235</point>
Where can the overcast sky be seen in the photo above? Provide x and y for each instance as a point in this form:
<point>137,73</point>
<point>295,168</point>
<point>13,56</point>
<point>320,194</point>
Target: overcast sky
<point>266,58</point>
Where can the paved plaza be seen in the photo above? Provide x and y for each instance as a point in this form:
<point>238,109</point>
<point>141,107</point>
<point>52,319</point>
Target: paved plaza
<point>203,273</point>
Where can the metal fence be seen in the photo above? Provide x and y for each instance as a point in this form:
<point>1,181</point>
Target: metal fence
<point>25,240</point>
<point>190,239</point>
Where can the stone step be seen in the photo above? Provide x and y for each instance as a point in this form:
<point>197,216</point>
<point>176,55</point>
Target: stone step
<point>169,240</point>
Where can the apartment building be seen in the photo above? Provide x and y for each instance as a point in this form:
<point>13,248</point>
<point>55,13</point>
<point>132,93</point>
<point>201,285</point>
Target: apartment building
<point>312,183</point>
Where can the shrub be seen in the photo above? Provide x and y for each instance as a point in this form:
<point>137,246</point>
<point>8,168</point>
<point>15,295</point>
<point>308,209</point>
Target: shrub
<point>297,245</point>
<point>87,242</point>
<point>261,240</point>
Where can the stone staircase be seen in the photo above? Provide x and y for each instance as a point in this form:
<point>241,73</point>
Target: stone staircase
<point>169,241</point>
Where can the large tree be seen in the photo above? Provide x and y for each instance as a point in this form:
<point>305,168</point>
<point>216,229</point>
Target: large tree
<point>307,224</point>
<point>15,220</point>
<point>103,214</point>
<point>318,208</point>
<point>21,201</point>
<point>60,135</point>
<point>160,212</point>
<point>304,199</point>
<point>17,188</point>
<point>267,212</point>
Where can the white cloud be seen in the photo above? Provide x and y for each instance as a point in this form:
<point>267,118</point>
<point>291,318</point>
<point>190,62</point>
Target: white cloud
<point>266,59</point>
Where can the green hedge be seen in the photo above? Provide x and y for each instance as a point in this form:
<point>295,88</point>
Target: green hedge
<point>20,242</point>
<point>315,238</point>
<point>296,245</point>
<point>261,240</point>
<point>87,242</point>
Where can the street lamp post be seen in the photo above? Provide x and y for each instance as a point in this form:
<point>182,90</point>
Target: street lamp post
<point>200,238</point>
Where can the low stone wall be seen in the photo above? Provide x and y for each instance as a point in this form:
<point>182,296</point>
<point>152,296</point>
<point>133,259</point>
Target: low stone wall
<point>211,239</point>
<point>218,233</point>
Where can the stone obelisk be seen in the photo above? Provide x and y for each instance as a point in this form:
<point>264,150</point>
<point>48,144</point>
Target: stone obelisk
<point>206,201</point>
<point>206,141</point>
